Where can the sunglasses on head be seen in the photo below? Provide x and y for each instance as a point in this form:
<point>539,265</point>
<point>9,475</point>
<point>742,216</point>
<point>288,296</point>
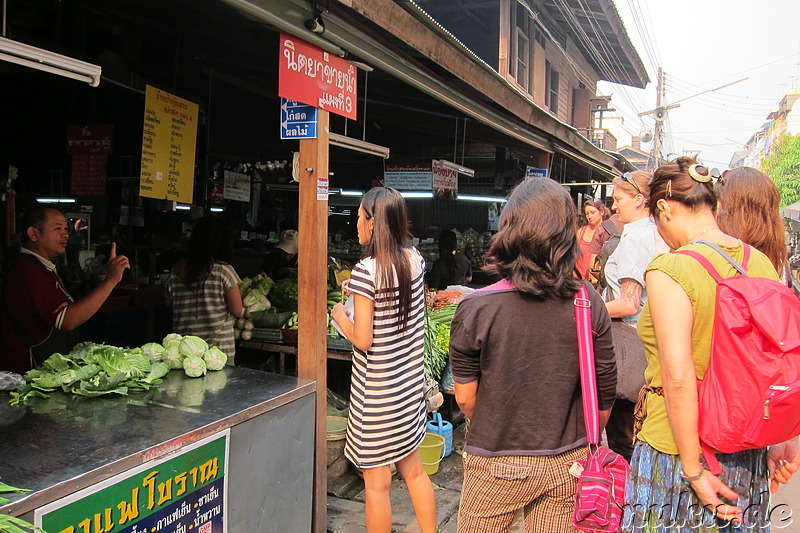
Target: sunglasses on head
<point>628,177</point>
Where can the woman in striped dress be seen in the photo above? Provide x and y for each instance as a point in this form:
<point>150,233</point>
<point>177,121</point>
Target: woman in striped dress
<point>204,290</point>
<point>386,422</point>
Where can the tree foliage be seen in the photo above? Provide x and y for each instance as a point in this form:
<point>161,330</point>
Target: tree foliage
<point>783,166</point>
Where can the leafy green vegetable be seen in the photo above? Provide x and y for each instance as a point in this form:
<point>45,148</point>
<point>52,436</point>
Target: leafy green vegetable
<point>284,293</point>
<point>171,337</point>
<point>172,354</point>
<point>215,358</point>
<point>194,366</point>
<point>191,345</point>
<point>153,350</point>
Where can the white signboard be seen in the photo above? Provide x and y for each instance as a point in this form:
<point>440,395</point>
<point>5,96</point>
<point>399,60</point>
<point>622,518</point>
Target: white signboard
<point>408,176</point>
<point>445,181</point>
<point>237,186</point>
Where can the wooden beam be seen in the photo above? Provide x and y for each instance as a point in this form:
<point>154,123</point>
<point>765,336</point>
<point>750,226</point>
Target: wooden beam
<point>312,297</point>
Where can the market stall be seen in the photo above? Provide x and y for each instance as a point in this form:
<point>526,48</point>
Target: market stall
<point>233,447</point>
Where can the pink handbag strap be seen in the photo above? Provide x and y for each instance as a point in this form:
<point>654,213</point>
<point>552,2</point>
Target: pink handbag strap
<point>583,318</point>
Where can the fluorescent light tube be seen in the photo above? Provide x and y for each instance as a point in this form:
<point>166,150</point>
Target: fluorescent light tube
<point>217,210</point>
<point>350,143</point>
<point>461,169</point>
<point>473,198</point>
<point>40,59</point>
<point>56,200</point>
<point>183,207</point>
<point>415,194</point>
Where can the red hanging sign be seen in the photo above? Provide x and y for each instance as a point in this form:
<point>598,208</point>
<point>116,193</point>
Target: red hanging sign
<point>315,77</point>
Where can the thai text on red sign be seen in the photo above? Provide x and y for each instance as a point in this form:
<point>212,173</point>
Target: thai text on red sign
<point>315,77</point>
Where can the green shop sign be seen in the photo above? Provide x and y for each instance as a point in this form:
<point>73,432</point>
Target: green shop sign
<point>183,492</point>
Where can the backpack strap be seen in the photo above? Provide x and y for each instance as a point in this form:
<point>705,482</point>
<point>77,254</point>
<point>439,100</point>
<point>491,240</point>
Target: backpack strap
<point>710,268</point>
<point>611,228</point>
<point>583,318</point>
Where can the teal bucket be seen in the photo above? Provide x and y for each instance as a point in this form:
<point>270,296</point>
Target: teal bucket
<point>444,429</point>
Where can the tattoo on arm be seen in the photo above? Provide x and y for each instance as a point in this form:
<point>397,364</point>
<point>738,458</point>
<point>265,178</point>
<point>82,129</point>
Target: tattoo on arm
<point>631,292</point>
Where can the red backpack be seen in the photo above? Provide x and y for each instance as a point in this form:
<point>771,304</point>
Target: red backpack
<point>750,394</point>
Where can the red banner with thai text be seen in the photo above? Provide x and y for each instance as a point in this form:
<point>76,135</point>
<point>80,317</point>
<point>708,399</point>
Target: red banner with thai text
<point>315,77</point>
<point>89,145</point>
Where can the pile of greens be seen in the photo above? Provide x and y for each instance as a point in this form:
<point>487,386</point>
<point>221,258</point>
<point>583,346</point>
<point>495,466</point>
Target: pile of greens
<point>92,369</point>
<point>284,293</point>
<point>10,524</point>
<point>437,339</point>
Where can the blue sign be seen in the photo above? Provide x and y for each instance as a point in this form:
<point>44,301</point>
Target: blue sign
<point>298,121</point>
<point>532,172</point>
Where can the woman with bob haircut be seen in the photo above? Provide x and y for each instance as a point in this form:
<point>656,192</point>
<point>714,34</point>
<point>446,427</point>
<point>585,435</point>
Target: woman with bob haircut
<point>514,355</point>
<point>748,208</point>
<point>386,420</point>
<point>676,328</point>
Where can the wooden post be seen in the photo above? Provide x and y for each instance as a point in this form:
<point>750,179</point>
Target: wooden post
<point>312,298</point>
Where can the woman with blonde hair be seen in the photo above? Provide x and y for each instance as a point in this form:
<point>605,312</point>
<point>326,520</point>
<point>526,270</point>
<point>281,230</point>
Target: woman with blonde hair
<point>748,207</point>
<point>625,294</point>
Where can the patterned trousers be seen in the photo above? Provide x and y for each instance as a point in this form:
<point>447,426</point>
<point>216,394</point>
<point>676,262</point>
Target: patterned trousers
<point>496,488</point>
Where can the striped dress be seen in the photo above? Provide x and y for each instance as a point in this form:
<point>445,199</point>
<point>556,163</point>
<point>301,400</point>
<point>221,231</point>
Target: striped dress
<point>387,409</point>
<point>205,313</point>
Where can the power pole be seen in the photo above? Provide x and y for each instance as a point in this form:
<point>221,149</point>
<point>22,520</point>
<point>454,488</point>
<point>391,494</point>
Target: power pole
<point>657,129</point>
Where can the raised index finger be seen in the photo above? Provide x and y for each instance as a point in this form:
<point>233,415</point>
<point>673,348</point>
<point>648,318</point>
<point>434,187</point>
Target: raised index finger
<point>113,252</point>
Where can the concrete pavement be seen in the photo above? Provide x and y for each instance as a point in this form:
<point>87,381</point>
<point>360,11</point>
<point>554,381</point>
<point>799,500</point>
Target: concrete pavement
<point>346,500</point>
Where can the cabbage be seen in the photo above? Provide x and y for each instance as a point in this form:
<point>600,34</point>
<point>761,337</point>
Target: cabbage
<point>252,297</point>
<point>261,304</point>
<point>215,358</point>
<point>194,366</point>
<point>191,345</point>
<point>172,354</point>
<point>153,350</point>
<point>172,337</point>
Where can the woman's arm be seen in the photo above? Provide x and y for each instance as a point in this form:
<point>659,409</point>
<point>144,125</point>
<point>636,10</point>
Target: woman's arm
<point>233,298</point>
<point>629,300</point>
<point>466,394</point>
<point>673,318</point>
<point>358,332</point>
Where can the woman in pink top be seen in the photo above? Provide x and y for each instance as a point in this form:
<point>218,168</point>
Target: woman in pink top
<point>595,212</point>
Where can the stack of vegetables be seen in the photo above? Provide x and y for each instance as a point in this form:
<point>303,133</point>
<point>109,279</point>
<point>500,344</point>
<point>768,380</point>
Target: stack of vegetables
<point>284,294</point>
<point>437,337</point>
<point>92,369</point>
<point>254,293</point>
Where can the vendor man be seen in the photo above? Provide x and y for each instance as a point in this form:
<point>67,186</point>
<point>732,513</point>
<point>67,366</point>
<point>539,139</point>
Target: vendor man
<point>38,317</point>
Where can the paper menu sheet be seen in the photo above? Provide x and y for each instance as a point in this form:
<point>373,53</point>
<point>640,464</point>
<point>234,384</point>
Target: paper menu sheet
<point>350,307</point>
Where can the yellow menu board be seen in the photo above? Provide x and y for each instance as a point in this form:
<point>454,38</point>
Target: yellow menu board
<point>168,147</point>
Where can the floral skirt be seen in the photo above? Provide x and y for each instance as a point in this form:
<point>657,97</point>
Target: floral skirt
<point>659,501</point>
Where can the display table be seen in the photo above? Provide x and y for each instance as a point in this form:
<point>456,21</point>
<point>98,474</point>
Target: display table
<point>255,428</point>
<point>291,349</point>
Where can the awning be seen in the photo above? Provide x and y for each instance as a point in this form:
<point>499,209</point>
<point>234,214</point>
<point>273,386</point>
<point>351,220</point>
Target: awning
<point>792,212</point>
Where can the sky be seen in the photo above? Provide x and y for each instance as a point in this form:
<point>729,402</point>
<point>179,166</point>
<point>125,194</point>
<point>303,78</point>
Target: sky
<point>702,45</point>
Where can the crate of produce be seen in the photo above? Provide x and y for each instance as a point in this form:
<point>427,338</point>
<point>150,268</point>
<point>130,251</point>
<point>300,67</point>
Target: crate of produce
<point>289,336</point>
<point>267,335</point>
<point>271,318</point>
<point>335,342</point>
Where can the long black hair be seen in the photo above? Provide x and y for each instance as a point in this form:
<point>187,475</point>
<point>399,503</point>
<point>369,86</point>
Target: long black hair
<point>209,242</point>
<point>387,208</point>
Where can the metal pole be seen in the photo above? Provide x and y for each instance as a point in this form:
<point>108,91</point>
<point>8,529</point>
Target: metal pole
<point>657,131</point>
